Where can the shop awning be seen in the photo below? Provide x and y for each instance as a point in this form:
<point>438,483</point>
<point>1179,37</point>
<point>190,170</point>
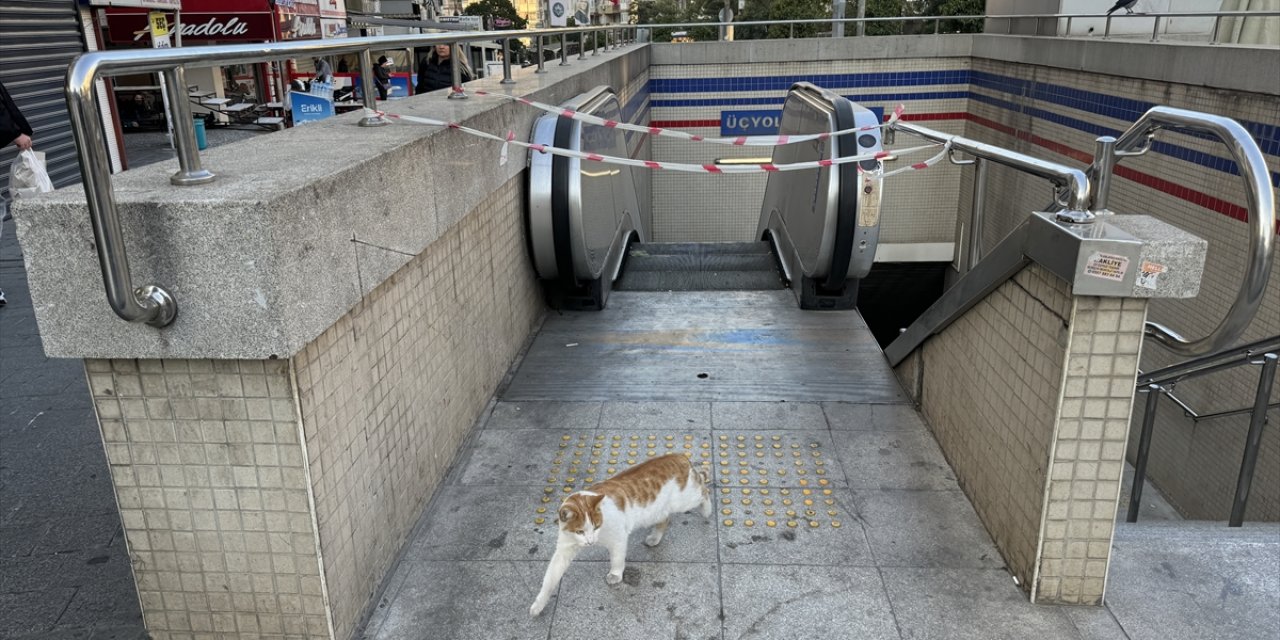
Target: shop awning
<point>209,21</point>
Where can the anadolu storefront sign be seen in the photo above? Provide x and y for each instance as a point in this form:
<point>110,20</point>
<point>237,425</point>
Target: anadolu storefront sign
<point>203,21</point>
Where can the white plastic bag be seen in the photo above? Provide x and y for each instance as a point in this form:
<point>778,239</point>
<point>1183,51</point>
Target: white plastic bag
<point>27,175</point>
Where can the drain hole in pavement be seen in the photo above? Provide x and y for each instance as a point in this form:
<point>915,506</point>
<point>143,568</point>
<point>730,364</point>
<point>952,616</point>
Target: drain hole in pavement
<point>702,376</point>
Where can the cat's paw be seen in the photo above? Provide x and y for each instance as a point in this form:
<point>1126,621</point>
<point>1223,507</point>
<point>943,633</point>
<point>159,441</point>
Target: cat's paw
<point>613,578</point>
<point>538,606</point>
<point>652,540</point>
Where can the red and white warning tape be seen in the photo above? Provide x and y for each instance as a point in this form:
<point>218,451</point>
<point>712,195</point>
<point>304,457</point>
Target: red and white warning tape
<point>764,167</point>
<point>739,141</point>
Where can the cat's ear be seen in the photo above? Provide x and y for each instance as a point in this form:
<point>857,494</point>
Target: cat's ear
<point>566,514</point>
<point>593,502</point>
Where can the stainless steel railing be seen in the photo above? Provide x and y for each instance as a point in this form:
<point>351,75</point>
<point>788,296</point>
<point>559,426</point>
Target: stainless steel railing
<point>151,303</point>
<point>1260,202</point>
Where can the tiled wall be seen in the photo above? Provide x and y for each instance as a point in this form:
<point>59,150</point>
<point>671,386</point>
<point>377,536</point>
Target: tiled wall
<point>388,392</point>
<point>212,489</point>
<point>1056,114</point>
<point>919,207</point>
<point>1028,395</point>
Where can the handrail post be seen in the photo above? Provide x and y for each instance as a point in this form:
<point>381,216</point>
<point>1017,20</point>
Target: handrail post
<point>1253,441</point>
<point>979,211</point>
<point>1068,33</point>
<point>1217,22</point>
<point>1104,163</point>
<point>564,60</point>
<point>595,42</point>
<point>1155,30</point>
<point>370,94</point>
<point>184,133</point>
<point>1106,31</point>
<point>1144,451</point>
<point>582,45</point>
<point>506,62</point>
<point>541,63</point>
<point>457,93</point>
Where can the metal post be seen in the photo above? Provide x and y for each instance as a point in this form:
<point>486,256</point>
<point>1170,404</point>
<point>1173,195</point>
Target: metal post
<point>793,30</point>
<point>862,18</point>
<point>1253,441</point>
<point>837,19</point>
<point>1068,33</point>
<point>541,68</point>
<point>1104,162</point>
<point>456,93</point>
<point>979,211</point>
<point>595,43</point>
<point>1144,450</point>
<point>184,131</point>
<point>582,45</point>
<point>937,26</point>
<point>1106,31</point>
<point>506,62</point>
<point>1217,21</point>
<point>1155,31</point>
<point>370,93</point>
<point>564,60</point>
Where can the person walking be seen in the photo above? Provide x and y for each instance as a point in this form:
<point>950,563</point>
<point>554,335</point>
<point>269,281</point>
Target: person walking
<point>382,77</point>
<point>435,71</point>
<point>14,129</point>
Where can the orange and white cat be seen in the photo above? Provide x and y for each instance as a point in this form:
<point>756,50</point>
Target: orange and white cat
<point>645,495</point>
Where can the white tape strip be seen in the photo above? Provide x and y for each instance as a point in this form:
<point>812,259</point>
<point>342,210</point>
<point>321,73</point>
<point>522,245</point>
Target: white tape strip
<point>739,141</point>
<point>764,167</point>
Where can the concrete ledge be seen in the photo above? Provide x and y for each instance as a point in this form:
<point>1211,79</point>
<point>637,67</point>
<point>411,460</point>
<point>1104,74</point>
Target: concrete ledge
<point>298,226</point>
<point>813,49</point>
<point>1233,67</point>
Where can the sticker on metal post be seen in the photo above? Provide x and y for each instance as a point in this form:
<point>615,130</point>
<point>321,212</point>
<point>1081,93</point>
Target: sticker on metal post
<point>1107,266</point>
<point>1149,273</point>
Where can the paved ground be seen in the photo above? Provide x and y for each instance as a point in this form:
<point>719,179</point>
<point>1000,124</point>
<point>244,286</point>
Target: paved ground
<point>64,572</point>
<point>834,519</point>
<point>146,147</point>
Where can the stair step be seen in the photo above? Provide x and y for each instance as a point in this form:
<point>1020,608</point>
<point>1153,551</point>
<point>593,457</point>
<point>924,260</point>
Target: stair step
<point>712,262</point>
<point>699,248</point>
<point>698,280</point>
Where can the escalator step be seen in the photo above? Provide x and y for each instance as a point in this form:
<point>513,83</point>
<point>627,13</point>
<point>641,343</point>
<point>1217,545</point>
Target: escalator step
<point>698,280</point>
<point>714,262</point>
<point>699,248</point>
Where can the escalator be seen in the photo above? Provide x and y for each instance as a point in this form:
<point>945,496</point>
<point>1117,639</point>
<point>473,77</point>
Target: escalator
<point>590,227</point>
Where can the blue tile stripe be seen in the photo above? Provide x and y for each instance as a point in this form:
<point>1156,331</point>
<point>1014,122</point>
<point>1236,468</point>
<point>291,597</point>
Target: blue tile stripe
<point>831,81</point>
<point>778,100</point>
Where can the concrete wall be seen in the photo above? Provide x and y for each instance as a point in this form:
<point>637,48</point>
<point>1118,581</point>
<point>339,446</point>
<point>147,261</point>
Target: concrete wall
<point>349,300</point>
<point>1056,113</point>
<point>1028,395</point>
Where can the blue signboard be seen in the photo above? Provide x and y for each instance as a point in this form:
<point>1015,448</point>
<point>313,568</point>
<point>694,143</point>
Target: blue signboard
<point>761,122</point>
<point>307,107</point>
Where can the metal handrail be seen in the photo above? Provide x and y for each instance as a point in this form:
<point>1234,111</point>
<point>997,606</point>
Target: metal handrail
<point>1162,381</point>
<point>1261,205</point>
<point>151,303</point>
<point>1075,181</point>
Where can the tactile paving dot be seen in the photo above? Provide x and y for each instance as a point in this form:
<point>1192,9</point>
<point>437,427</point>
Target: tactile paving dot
<point>581,460</point>
<point>783,459</point>
<point>743,507</point>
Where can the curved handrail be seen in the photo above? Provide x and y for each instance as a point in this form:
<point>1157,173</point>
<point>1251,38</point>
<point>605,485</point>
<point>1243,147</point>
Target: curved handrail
<point>1261,204</point>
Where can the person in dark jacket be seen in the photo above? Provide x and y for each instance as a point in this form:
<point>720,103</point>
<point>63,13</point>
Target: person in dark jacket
<point>382,77</point>
<point>435,71</point>
<point>13,129</point>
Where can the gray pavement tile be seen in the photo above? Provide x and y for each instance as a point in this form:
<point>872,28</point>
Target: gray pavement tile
<point>924,529</point>
<point>767,415</point>
<point>1174,582</point>
<point>35,612</point>
<point>893,460</point>
<point>36,381</point>
<point>519,456</point>
<point>872,417</point>
<point>465,601</point>
<point>963,604</point>
<point>377,617</point>
<point>783,601</point>
<point>654,600</point>
<point>60,633</point>
<point>613,451</point>
<point>777,458</point>
<point>544,415</point>
<point>112,602</point>
<point>126,632</point>
<point>19,541</point>
<point>768,530</point>
<point>1094,623</point>
<point>656,415</point>
<point>488,523</point>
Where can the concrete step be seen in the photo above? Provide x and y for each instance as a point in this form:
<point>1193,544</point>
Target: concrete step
<point>696,266</point>
<point>1198,532</point>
